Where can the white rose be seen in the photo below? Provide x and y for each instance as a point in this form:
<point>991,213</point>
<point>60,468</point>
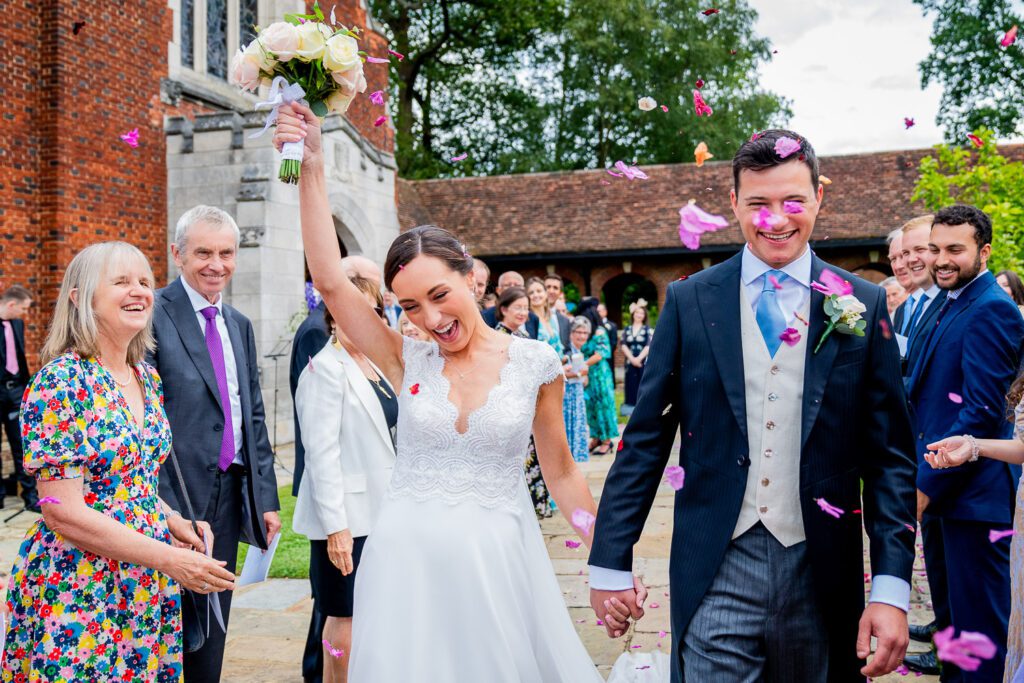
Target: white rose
<point>259,53</point>
<point>351,81</point>
<point>850,304</point>
<point>244,71</point>
<point>312,40</point>
<point>341,53</point>
<point>646,103</point>
<point>282,39</point>
<point>340,100</point>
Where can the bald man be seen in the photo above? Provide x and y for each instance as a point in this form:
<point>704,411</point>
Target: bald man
<point>510,278</point>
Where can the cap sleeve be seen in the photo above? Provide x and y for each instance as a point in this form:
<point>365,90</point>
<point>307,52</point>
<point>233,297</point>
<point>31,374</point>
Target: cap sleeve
<point>55,413</point>
<point>549,363</point>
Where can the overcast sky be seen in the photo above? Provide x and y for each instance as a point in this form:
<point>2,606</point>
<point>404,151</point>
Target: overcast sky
<point>850,71</point>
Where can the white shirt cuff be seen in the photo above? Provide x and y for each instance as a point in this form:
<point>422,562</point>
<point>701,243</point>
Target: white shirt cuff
<point>604,579</point>
<point>890,590</point>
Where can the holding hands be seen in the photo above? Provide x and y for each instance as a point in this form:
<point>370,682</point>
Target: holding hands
<point>616,608</point>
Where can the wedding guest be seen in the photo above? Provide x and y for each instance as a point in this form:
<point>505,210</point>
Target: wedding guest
<point>14,376</point>
<point>489,301</point>
<point>391,309</point>
<point>894,293</point>
<point>600,390</point>
<point>206,355</point>
<point>94,592</point>
<point>554,285</point>
<point>899,269</point>
<point>406,327</point>
<point>574,403</point>
<point>481,279</point>
<point>613,335</point>
<point>547,329</point>
<point>347,411</point>
<point>957,386</point>
<point>309,339</point>
<point>636,344</point>
<point>1011,283</point>
<point>561,308</point>
<point>956,451</point>
<point>509,280</point>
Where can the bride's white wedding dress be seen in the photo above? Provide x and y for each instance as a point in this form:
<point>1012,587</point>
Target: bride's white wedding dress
<point>455,584</point>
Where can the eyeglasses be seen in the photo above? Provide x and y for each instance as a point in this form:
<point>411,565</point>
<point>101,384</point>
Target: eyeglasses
<point>518,309</point>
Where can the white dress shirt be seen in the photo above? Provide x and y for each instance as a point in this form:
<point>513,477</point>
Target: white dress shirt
<point>792,293</point>
<point>230,369</point>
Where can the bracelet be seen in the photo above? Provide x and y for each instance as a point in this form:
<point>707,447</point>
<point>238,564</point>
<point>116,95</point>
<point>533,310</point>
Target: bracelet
<point>975,450</point>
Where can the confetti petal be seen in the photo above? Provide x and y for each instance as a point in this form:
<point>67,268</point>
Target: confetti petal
<point>832,284</point>
<point>701,154</point>
<point>766,220</point>
<point>886,332</point>
<point>330,648</point>
<point>828,508</point>
<point>775,282</point>
<point>700,83</point>
<point>131,137</point>
<point>583,520</point>
<point>77,27</point>
<point>1010,37</point>
<point>966,650</point>
<point>792,208</point>
<point>377,97</point>
<point>380,121</point>
<point>978,142</point>
<point>675,475</point>
<point>785,146</point>
<point>646,103</point>
<point>709,12</point>
<point>824,180</point>
<point>414,389</point>
<point>993,535</point>
<point>694,222</point>
<point>461,157</point>
<point>908,122</point>
<point>397,55</point>
<point>569,543</point>
<point>626,171</point>
<point>377,60</point>
<point>790,336</point>
<point>664,108</point>
<point>699,105</point>
<point>956,398</point>
<point>49,500</point>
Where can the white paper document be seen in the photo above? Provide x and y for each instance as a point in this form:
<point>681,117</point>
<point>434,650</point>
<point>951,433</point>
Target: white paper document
<point>257,564</point>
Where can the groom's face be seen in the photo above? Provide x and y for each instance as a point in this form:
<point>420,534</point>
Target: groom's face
<point>770,189</point>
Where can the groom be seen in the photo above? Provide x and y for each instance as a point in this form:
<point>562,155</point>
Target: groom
<point>766,585</point>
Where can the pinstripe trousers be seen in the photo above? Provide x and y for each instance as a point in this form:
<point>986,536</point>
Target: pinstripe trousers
<point>759,620</point>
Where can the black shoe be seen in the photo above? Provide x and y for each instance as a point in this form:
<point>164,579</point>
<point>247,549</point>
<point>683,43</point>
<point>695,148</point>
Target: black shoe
<point>925,663</point>
<point>923,633</point>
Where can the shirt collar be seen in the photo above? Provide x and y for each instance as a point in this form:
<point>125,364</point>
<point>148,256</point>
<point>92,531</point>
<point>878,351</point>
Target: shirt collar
<point>955,294</point>
<point>199,302</point>
<point>753,268</point>
<point>931,292</point>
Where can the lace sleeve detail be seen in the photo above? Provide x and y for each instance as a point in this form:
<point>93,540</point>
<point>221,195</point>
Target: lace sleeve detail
<point>415,355</point>
<point>548,364</point>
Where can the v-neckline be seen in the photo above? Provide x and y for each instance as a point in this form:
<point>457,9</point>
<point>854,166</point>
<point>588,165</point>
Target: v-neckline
<point>502,381</point>
<point>137,427</point>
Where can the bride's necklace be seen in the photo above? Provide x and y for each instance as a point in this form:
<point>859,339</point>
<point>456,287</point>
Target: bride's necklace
<point>377,382</point>
<point>460,373</point>
<point>113,377</point>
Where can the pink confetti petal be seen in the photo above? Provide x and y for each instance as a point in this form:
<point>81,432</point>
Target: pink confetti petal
<point>956,398</point>
<point>775,282</point>
<point>699,105</point>
<point>790,336</point>
<point>600,622</point>
<point>675,476</point>
<point>664,108</point>
<point>131,138</point>
<point>832,284</point>
<point>397,55</point>
<point>654,605</point>
<point>908,122</point>
<point>792,208</point>
<point>1010,37</point>
<point>886,332</point>
<point>377,60</point>
<point>966,650</point>
<point>694,222</point>
<point>709,12</point>
<point>786,146</point>
<point>583,520</point>
<point>978,142</point>
<point>377,97</point>
<point>766,220</point>
<point>330,648</point>
<point>630,172</point>
<point>49,500</point>
<point>828,508</point>
<point>993,535</point>
<point>662,634</point>
<point>380,121</point>
<point>910,528</point>
<point>569,543</point>
<point>461,157</point>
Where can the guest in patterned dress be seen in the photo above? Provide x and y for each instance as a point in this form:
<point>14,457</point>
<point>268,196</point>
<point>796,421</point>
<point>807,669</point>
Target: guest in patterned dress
<point>600,391</point>
<point>574,403</point>
<point>94,594</point>
<point>548,330</point>
<point>957,450</point>
<point>636,344</point>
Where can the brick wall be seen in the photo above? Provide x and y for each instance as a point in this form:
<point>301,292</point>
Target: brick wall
<point>69,180</point>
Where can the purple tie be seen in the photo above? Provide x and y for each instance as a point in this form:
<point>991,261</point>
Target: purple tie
<point>216,349</point>
<point>10,351</point>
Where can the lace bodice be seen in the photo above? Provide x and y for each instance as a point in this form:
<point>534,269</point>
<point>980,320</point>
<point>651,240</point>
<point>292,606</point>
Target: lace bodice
<point>485,464</point>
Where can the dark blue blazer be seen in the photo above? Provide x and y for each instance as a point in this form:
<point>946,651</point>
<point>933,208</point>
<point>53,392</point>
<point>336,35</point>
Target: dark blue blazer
<point>974,352</point>
<point>855,427</point>
<point>309,339</point>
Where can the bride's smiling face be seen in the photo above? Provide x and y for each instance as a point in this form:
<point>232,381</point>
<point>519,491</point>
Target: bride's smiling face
<point>438,300</point>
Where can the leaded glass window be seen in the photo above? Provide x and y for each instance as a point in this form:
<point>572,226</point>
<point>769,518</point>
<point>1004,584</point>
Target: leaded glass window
<point>247,18</point>
<point>187,15</point>
<point>217,38</point>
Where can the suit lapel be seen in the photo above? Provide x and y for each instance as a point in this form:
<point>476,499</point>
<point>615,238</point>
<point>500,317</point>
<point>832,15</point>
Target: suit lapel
<point>817,365</point>
<point>241,359</point>
<point>365,393</point>
<point>180,311</point>
<point>719,300</point>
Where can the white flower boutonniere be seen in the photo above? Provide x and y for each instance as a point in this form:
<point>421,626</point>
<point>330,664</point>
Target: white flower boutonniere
<point>843,309</point>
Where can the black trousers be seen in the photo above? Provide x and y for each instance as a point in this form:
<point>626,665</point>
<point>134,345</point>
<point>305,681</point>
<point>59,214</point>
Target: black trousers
<point>224,515</point>
<point>313,655</point>
<point>10,409</point>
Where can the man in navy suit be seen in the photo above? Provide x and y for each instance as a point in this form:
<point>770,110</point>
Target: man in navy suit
<point>782,420</point>
<point>957,386</point>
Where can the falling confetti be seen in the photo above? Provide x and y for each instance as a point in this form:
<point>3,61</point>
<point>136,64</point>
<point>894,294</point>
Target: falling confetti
<point>775,282</point>
<point>766,220</point>
<point>785,146</point>
<point>956,398</point>
<point>790,336</point>
<point>699,105</point>
<point>699,83</point>
<point>694,222</point>
<point>792,208</point>
<point>377,97</point>
<point>824,180</point>
<point>49,500</point>
<point>993,535</point>
<point>131,137</point>
<point>886,332</point>
<point>646,103</point>
<point>908,122</point>
<point>414,389</point>
<point>828,508</point>
<point>569,543</point>
<point>461,157</point>
<point>978,142</point>
<point>966,650</point>
<point>397,55</point>
<point>331,649</point>
<point>675,475</point>
<point>701,153</point>
<point>832,284</point>
<point>664,108</point>
<point>709,12</point>
<point>377,60</point>
<point>629,172</point>
<point>1010,38</point>
<point>583,520</point>
<point>380,121</point>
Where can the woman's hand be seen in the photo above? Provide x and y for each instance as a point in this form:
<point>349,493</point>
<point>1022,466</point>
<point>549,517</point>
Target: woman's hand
<point>197,572</point>
<point>952,451</point>
<point>183,536</point>
<point>584,371</point>
<point>339,550</point>
<point>295,123</point>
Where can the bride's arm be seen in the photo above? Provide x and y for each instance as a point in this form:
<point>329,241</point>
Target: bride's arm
<point>347,305</point>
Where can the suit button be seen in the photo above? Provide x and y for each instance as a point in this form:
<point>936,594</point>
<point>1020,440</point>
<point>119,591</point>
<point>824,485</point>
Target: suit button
<point>218,427</point>
<point>920,436</point>
<point>769,453</point>
<point>774,370</point>
<point>773,396</point>
<point>763,509</point>
<point>211,468</point>
<point>765,482</point>
<point>770,425</point>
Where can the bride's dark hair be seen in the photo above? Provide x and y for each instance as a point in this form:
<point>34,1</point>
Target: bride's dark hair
<point>428,240</point>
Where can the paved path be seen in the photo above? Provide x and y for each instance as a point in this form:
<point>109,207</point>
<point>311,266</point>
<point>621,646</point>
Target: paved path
<point>269,621</point>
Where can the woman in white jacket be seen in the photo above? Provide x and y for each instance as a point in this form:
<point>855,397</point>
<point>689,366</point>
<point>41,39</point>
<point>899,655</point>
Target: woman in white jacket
<point>347,413</point>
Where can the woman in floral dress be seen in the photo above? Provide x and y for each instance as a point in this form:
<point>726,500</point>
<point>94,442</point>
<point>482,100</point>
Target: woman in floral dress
<point>600,391</point>
<point>94,594</point>
<point>574,402</point>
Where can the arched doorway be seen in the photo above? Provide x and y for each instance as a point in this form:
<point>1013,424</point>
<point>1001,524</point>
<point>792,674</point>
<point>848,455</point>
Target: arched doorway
<point>873,272</point>
<point>622,290</point>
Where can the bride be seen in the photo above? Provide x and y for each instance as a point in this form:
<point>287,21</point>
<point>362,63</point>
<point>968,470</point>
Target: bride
<point>455,583</point>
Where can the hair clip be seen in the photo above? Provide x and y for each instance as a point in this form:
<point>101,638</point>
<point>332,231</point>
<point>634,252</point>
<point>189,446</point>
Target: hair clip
<point>401,266</point>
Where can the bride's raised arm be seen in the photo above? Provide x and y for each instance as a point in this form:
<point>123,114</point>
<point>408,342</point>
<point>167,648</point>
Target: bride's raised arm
<point>348,306</point>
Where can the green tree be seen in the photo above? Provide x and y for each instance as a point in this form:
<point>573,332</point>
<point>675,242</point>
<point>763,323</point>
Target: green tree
<point>982,81</point>
<point>985,178</point>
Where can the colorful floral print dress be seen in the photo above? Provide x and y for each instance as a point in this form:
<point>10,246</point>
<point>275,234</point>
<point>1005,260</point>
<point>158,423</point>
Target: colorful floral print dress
<point>600,390</point>
<point>75,616</point>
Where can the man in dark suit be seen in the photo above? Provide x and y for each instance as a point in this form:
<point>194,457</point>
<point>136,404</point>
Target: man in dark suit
<point>505,280</point>
<point>14,376</point>
<point>206,357</point>
<point>554,286</point>
<point>309,339</point>
<point>781,423</point>
<point>957,386</point>
<point>899,271</point>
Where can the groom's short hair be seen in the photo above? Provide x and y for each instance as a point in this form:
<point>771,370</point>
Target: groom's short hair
<point>758,154</point>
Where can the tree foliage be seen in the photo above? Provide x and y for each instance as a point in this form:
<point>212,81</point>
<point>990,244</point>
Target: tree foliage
<point>985,178</point>
<point>537,85</point>
<point>982,81</point>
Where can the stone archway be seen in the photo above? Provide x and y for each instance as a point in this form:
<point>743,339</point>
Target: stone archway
<point>623,289</point>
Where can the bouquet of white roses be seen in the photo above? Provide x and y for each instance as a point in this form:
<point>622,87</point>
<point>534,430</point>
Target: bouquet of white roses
<point>304,58</point>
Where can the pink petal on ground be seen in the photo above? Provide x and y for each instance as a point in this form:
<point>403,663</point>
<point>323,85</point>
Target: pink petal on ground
<point>699,105</point>
<point>380,121</point>
<point>766,220</point>
<point>828,508</point>
<point>785,146</point>
<point>397,55</point>
<point>792,207</point>
<point>654,605</point>
<point>583,520</point>
<point>956,398</point>
<point>377,60</point>
<point>993,535</point>
<point>694,222</point>
<point>569,543</point>
<point>55,501</point>
<point>675,475</point>
<point>790,336</point>
<point>662,634</point>
<point>377,97</point>
<point>461,157</point>
<point>1010,37</point>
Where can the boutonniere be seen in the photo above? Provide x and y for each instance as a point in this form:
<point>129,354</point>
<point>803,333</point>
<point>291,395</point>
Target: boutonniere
<point>841,306</point>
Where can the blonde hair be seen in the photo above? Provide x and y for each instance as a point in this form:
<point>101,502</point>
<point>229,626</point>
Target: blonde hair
<point>74,327</point>
<point>918,222</point>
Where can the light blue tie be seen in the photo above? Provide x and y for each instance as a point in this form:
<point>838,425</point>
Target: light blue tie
<point>769,315</point>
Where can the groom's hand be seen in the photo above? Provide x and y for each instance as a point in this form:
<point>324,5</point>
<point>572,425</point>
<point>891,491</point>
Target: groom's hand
<point>615,608</point>
<point>889,625</point>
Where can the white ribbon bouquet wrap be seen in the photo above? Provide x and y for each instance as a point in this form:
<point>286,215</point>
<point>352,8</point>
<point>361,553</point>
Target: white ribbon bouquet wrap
<point>305,59</point>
